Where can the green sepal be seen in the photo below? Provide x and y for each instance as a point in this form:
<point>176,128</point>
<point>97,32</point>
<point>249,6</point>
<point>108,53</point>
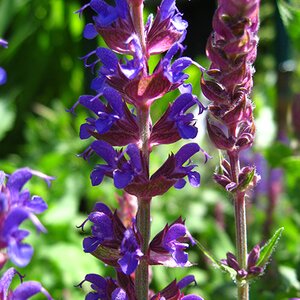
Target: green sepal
<point>267,250</point>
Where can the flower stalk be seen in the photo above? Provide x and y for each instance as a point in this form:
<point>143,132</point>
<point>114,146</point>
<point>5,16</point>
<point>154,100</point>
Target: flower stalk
<point>143,226</point>
<point>228,84</point>
<point>241,242</point>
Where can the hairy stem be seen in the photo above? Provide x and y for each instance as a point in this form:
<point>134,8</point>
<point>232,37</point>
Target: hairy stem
<point>142,272</point>
<point>240,228</point>
<point>241,242</point>
<point>143,214</point>
<point>137,8</point>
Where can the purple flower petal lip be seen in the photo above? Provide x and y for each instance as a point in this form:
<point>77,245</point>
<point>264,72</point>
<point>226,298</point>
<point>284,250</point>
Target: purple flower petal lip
<point>19,178</point>
<point>171,243</point>
<point>115,100</point>
<point>167,8</point>
<point>106,13</point>
<point>108,59</point>
<point>192,297</point>
<point>119,294</point>
<point>106,151</point>
<point>3,43</point>
<point>28,289</point>
<point>19,253</point>
<point>187,280</point>
<point>130,251</point>
<point>185,152</point>
<point>89,31</point>
<point>3,76</point>
<point>122,178</point>
<point>6,280</point>
<point>98,284</point>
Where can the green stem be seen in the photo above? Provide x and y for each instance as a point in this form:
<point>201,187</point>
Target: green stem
<point>143,214</point>
<point>142,272</point>
<point>241,242</point>
<point>240,227</point>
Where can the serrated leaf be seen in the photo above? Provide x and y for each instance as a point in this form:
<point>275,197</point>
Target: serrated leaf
<point>267,250</point>
<point>216,263</point>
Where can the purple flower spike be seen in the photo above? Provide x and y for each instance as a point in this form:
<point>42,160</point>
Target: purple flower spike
<point>232,51</point>
<point>131,252</point>
<point>168,246</point>
<point>25,290</point>
<point>17,205</point>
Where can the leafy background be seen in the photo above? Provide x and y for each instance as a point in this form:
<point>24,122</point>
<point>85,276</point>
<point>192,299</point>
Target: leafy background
<point>45,77</point>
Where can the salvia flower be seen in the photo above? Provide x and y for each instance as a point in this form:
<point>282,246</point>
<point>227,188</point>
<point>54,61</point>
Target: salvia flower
<point>111,242</point>
<point>130,251</point>
<point>17,205</point>
<point>115,124</point>
<point>25,290</point>
<point>103,288</point>
<point>132,175</point>
<point>252,269</point>
<point>168,246</point>
<point>3,75</point>
<point>113,23</point>
<point>176,122</point>
<point>173,290</point>
<point>122,170</point>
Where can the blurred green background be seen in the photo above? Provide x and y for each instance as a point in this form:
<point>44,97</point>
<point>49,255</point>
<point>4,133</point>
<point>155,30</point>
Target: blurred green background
<point>46,76</point>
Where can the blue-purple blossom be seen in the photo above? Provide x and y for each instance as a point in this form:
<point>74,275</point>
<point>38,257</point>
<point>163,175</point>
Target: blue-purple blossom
<point>122,246</point>
<point>108,288</point>
<point>115,124</point>
<point>176,123</point>
<point>24,291</point>
<point>17,205</point>
<point>113,23</point>
<point>173,290</point>
<point>123,171</point>
<point>130,251</point>
<point>102,229</point>
<point>167,28</point>
<point>3,75</point>
<point>168,246</point>
<point>174,167</point>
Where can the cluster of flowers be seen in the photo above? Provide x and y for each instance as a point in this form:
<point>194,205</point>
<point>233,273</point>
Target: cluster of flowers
<point>125,89</point>
<point>232,50</point>
<point>16,206</point>
<point>228,82</point>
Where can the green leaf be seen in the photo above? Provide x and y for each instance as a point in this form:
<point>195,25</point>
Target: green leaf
<point>8,115</point>
<point>216,263</point>
<point>290,14</point>
<point>267,250</point>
